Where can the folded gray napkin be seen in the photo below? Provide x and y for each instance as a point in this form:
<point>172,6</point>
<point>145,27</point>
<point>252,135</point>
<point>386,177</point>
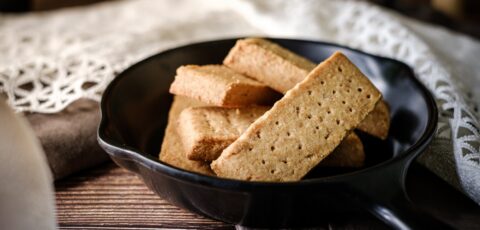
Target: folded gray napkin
<point>69,138</point>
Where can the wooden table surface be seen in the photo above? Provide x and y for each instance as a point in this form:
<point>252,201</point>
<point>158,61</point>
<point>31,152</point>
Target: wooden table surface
<point>109,197</point>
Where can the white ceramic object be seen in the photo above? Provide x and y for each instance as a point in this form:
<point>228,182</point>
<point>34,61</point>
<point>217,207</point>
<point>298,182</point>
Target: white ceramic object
<point>26,189</point>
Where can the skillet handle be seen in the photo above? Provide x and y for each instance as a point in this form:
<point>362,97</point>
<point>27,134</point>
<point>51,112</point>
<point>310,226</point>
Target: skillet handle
<point>382,193</point>
<point>400,213</point>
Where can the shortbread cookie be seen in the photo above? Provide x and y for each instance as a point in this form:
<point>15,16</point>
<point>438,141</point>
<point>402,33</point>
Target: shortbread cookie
<point>302,128</point>
<point>349,153</point>
<point>377,123</point>
<point>172,151</point>
<point>206,131</point>
<point>282,69</point>
<point>221,86</point>
<point>268,63</point>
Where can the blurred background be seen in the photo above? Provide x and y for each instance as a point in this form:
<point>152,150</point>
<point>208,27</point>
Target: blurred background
<point>458,15</point>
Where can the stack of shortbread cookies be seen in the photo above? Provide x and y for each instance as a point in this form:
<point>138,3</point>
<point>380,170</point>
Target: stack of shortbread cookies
<point>268,114</point>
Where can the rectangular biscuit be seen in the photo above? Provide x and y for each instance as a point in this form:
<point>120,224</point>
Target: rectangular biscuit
<point>349,153</point>
<point>377,123</point>
<point>268,63</point>
<point>172,151</point>
<point>206,131</point>
<point>282,69</point>
<point>302,128</point>
<point>221,86</point>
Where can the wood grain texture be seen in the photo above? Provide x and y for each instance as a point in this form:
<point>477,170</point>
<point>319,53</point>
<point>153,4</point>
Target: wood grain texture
<point>109,197</point>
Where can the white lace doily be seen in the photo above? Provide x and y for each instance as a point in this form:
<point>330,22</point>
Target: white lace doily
<point>48,60</point>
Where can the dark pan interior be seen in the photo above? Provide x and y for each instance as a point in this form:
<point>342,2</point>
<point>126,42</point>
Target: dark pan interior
<point>138,104</point>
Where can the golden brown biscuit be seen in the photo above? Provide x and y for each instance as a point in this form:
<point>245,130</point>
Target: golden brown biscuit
<point>301,130</point>
<point>206,131</point>
<point>377,123</point>
<point>221,86</point>
<point>281,69</point>
<point>268,63</point>
<point>349,153</point>
<point>172,151</point>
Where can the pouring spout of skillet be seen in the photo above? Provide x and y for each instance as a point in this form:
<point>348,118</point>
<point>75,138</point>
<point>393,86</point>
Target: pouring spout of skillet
<point>135,111</point>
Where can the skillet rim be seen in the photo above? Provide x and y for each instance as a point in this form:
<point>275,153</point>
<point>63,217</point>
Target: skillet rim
<point>117,150</point>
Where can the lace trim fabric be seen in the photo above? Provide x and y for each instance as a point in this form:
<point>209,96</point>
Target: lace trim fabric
<point>48,60</point>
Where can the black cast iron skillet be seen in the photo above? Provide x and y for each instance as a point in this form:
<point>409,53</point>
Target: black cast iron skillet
<point>134,114</point>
